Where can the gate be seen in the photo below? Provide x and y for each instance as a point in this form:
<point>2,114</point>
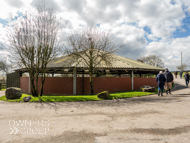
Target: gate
<point>13,79</point>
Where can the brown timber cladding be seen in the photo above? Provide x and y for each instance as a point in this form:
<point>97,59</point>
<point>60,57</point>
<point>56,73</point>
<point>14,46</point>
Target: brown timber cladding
<point>13,79</point>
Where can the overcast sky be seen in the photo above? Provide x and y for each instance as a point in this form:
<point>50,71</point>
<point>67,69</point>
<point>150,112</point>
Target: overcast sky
<point>146,27</point>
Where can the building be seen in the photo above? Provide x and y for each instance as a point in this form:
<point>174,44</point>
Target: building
<point>79,83</point>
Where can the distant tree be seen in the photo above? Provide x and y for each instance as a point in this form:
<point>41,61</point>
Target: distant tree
<point>182,67</point>
<point>4,67</point>
<point>33,40</point>
<point>140,60</point>
<point>152,60</point>
<point>93,48</point>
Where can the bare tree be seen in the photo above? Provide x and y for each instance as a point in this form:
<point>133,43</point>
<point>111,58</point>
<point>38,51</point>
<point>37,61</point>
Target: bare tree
<point>182,67</point>
<point>91,48</point>
<point>152,60</point>
<point>4,67</point>
<point>33,39</point>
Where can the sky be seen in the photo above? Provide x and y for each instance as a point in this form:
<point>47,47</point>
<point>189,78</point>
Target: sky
<point>145,27</point>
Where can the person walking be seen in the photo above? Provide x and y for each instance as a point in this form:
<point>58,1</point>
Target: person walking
<point>186,76</point>
<point>180,73</point>
<point>160,78</point>
<point>175,73</point>
<point>169,80</point>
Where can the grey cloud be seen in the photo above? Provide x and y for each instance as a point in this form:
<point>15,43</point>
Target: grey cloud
<point>150,10</point>
<point>102,4</point>
<point>133,49</point>
<point>75,5</point>
<point>49,3</point>
<point>15,3</point>
<point>2,46</point>
<point>99,13</point>
<point>101,17</point>
<point>66,24</point>
<point>131,10</point>
<point>96,15</point>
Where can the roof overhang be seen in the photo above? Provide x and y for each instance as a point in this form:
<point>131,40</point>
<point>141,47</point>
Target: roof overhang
<point>81,70</point>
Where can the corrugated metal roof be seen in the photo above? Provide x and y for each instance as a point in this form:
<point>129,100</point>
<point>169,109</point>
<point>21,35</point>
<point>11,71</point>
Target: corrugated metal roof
<point>116,62</point>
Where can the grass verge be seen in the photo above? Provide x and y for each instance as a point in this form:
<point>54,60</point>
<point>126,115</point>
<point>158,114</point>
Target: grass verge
<point>47,98</point>
<point>129,94</point>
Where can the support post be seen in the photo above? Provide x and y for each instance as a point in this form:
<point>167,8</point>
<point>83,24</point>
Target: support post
<point>74,81</point>
<point>83,83</point>
<point>132,79</point>
<point>29,85</point>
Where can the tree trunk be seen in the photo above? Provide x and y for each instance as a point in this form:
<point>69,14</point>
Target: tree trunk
<point>36,85</point>
<point>33,89</point>
<point>42,85</point>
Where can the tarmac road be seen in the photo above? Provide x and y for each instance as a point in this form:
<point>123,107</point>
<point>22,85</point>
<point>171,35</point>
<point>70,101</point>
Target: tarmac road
<point>134,120</point>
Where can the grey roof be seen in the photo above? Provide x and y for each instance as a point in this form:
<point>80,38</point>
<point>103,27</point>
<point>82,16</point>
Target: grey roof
<point>117,62</point>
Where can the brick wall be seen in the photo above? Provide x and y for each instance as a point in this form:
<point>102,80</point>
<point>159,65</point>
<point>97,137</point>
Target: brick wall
<point>138,82</point>
<point>111,84</point>
<point>53,85</point>
<point>24,84</point>
<point>64,85</point>
<point>57,85</point>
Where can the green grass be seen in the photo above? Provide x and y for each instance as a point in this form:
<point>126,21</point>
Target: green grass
<point>46,98</point>
<point>129,94</point>
<point>3,89</point>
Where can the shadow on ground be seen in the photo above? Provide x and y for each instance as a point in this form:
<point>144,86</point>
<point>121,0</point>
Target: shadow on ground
<point>110,103</point>
<point>179,87</point>
<point>158,131</point>
<point>66,137</point>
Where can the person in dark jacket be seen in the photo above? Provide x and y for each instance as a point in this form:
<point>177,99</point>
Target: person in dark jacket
<point>160,78</point>
<point>186,76</point>
<point>169,80</point>
<point>175,73</point>
<point>180,73</point>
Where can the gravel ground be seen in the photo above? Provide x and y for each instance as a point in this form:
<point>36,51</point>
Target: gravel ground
<point>2,93</point>
<point>134,120</point>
